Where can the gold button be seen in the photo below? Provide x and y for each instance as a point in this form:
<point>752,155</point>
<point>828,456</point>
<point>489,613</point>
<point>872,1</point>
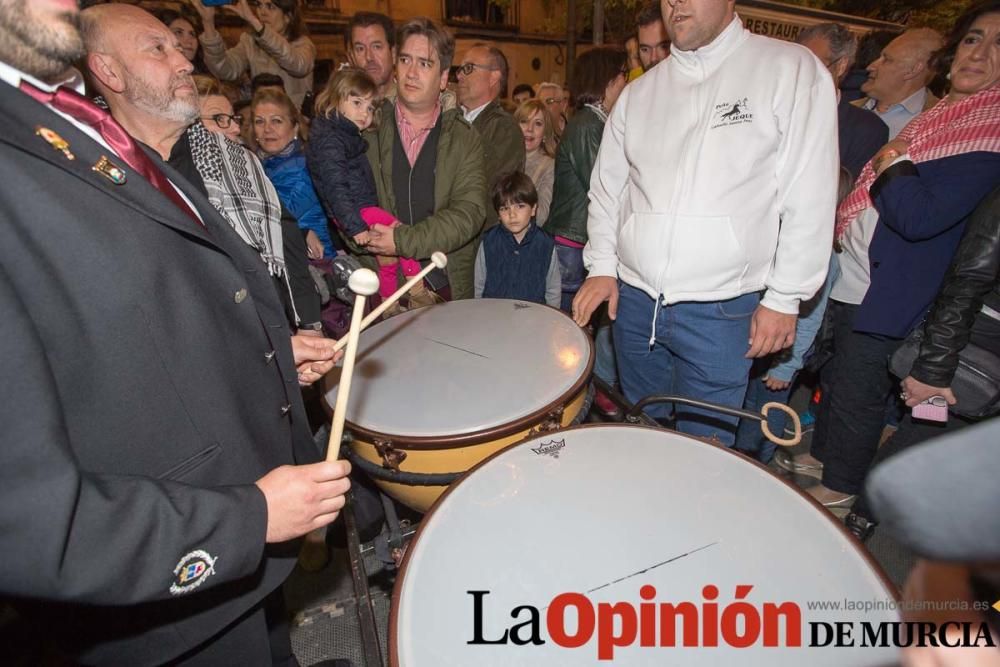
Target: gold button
<point>240,295</point>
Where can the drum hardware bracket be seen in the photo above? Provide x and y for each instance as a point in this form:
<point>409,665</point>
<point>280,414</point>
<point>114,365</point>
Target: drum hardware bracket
<point>391,457</point>
<point>552,422</point>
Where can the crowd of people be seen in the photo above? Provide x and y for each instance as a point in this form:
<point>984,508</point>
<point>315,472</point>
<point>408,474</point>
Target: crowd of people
<point>712,204</point>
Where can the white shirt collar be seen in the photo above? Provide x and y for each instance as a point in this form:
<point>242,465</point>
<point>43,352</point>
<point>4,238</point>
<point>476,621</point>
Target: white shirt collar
<point>472,115</point>
<point>14,76</point>
<point>913,104</point>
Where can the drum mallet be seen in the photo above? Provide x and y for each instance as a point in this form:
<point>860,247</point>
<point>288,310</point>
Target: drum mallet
<point>438,261</point>
<point>364,283</point>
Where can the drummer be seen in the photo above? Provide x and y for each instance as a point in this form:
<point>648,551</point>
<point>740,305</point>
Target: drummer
<point>517,259</point>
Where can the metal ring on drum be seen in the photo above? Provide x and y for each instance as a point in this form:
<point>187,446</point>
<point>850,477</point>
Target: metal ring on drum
<point>632,546</point>
<point>437,389</point>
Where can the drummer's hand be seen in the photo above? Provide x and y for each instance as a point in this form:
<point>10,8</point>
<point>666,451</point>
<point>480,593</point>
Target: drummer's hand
<point>592,294</point>
<point>770,331</point>
<point>303,498</point>
<point>314,357</point>
<point>382,241</point>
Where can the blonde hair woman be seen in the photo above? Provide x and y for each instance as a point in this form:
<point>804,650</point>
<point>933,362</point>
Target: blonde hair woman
<point>540,151</point>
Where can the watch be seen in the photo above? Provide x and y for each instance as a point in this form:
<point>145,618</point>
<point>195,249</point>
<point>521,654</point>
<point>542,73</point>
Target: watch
<point>312,326</point>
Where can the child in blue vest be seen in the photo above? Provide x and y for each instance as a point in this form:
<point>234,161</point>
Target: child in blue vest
<point>516,259</point>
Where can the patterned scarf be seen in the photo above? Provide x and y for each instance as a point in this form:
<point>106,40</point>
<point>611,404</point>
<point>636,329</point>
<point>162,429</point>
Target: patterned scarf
<point>973,124</point>
<point>240,191</point>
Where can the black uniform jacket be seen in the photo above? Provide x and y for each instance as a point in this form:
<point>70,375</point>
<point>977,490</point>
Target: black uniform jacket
<point>146,381</point>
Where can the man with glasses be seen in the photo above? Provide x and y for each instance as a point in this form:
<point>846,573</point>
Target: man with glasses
<point>481,78</point>
<point>860,133</point>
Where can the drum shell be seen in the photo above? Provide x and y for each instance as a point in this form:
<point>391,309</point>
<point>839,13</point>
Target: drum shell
<point>445,457</point>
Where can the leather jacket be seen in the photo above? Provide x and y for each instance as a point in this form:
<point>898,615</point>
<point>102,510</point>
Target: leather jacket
<point>575,160</point>
<point>971,282</point>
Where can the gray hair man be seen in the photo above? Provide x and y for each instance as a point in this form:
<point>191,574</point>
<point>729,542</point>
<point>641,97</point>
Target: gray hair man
<point>860,132</point>
<point>482,76</point>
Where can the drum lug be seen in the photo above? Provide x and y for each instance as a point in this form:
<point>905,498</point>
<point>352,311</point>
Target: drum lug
<point>552,422</point>
<point>391,457</point>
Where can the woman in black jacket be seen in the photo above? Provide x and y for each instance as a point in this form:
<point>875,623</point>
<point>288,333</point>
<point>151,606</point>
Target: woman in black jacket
<point>966,309</point>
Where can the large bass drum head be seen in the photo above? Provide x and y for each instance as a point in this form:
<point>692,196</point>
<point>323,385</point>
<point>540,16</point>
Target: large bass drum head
<point>605,511</point>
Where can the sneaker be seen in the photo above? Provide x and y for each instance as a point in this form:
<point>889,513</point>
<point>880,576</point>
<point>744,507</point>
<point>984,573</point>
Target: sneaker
<point>800,464</point>
<point>808,421</point>
<point>605,406</point>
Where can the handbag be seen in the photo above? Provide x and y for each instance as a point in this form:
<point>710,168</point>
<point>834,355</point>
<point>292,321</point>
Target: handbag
<point>976,384</point>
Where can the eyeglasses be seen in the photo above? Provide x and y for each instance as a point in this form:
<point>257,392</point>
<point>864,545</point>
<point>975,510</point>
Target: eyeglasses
<point>553,100</point>
<point>224,120</point>
<point>469,68</point>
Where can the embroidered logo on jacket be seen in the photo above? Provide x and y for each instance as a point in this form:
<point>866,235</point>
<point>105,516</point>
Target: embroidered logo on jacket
<point>192,570</point>
<point>732,113</point>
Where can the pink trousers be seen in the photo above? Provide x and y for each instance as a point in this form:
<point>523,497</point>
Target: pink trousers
<point>388,281</point>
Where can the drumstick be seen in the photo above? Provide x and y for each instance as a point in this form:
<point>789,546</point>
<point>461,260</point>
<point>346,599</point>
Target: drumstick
<point>363,283</point>
<point>438,261</point>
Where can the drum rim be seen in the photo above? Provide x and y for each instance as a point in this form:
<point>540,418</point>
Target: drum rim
<point>858,545</point>
<point>438,442</point>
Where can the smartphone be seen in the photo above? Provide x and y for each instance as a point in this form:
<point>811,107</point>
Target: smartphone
<point>934,409</point>
<point>216,3</point>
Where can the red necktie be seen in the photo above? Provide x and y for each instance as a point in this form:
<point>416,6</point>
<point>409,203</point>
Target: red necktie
<point>121,142</point>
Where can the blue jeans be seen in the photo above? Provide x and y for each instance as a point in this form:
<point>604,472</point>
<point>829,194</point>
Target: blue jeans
<point>604,354</point>
<point>572,273</point>
<point>697,352</point>
<point>749,438</point>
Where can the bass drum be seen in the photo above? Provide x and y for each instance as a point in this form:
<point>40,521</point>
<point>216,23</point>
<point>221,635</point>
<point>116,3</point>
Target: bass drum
<point>628,545</point>
<point>438,389</point>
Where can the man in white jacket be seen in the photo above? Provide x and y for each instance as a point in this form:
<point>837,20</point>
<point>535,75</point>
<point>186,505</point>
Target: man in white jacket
<point>711,210</point>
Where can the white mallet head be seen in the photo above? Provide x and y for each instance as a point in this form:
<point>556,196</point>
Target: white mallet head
<point>439,259</point>
<point>363,282</point>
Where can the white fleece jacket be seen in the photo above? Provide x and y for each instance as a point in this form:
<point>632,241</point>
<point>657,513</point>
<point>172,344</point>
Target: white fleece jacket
<point>717,175</point>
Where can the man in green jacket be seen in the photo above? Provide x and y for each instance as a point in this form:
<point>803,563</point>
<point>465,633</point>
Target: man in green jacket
<point>428,165</point>
<point>481,77</point>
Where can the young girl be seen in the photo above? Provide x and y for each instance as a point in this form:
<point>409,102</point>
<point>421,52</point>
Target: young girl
<point>516,259</point>
<point>340,170</point>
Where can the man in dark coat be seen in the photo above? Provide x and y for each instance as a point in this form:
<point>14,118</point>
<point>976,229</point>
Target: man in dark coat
<point>860,132</point>
<point>482,76</point>
<point>149,405</point>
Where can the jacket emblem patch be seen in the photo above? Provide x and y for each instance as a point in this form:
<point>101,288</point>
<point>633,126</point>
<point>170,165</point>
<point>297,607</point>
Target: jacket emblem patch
<point>732,113</point>
<point>191,571</point>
